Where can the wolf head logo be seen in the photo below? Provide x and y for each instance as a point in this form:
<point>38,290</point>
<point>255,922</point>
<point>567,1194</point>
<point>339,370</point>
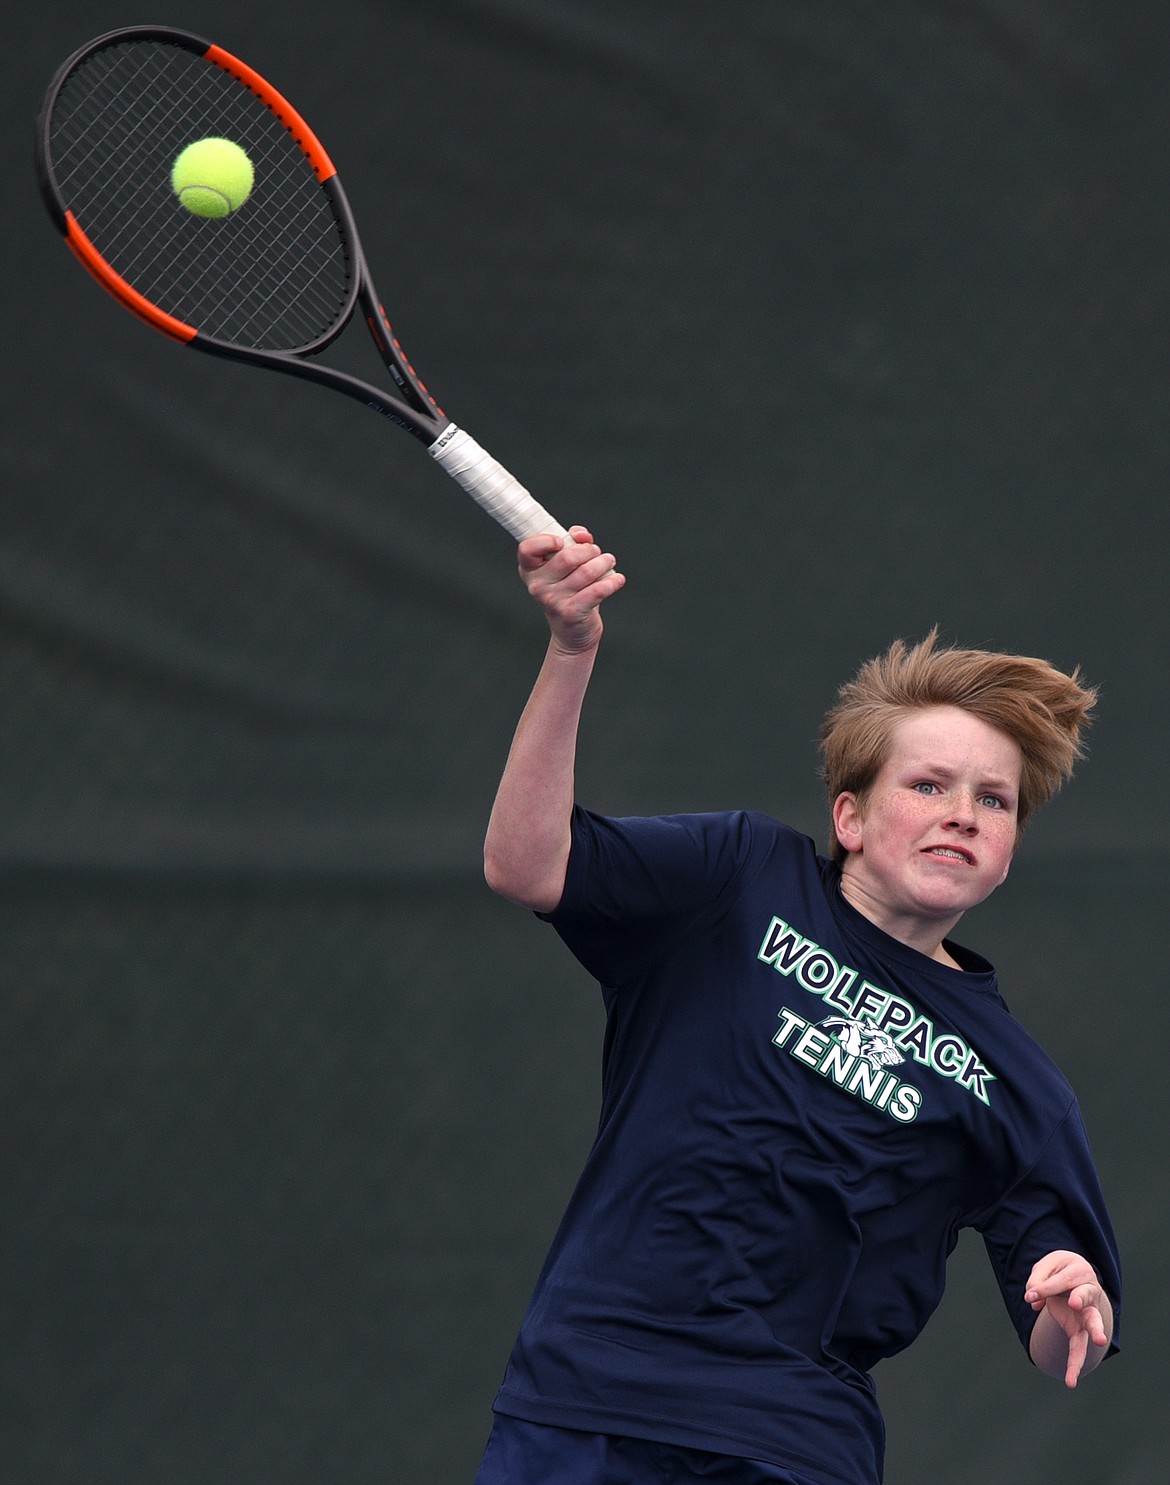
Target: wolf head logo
<point>863,1040</point>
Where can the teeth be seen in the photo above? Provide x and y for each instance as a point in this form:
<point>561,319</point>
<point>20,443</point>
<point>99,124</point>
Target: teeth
<point>943,851</point>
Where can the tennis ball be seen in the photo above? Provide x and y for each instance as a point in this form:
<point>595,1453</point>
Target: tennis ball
<point>212,177</point>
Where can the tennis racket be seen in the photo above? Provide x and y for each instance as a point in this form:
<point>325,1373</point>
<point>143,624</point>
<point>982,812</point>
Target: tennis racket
<point>272,283</point>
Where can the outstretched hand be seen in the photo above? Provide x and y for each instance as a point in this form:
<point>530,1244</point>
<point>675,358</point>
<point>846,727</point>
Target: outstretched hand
<point>1064,1290</point>
<point>570,577</point>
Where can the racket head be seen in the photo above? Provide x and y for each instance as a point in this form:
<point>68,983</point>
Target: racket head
<point>280,275</point>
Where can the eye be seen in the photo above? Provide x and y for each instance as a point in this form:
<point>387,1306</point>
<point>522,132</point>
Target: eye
<point>993,801</point>
<point>924,786</point>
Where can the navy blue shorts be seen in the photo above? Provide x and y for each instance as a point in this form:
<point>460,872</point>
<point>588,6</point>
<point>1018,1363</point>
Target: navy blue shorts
<point>520,1453</point>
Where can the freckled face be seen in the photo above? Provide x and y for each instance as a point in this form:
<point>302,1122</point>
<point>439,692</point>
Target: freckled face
<point>936,832</point>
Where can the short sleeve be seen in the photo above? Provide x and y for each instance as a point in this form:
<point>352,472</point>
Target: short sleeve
<point>1058,1204</point>
<point>634,884</point>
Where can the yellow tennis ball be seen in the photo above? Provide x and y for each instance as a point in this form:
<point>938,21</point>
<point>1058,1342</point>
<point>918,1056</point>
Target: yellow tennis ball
<point>212,177</point>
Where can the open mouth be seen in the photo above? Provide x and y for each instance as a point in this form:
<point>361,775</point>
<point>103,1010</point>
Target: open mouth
<point>951,853</point>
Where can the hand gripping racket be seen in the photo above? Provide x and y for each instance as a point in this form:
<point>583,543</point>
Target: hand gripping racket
<point>273,282</point>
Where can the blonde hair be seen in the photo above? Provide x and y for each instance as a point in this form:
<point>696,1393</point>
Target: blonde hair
<point>1040,708</point>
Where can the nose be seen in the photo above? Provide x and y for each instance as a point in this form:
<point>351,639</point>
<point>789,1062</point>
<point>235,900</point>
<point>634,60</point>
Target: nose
<point>963,816</point>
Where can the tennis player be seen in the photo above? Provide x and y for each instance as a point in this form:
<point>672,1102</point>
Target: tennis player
<point>809,1087</point>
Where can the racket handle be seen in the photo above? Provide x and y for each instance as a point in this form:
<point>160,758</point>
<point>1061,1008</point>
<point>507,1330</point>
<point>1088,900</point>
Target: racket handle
<point>487,481</point>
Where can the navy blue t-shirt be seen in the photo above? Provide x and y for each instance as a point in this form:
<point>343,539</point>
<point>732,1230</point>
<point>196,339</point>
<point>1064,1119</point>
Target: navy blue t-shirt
<point>799,1114</point>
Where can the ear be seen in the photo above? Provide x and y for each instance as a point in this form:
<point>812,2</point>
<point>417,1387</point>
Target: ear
<point>848,821</point>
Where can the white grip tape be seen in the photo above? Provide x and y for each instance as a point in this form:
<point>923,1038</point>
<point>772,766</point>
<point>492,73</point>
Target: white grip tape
<point>487,481</point>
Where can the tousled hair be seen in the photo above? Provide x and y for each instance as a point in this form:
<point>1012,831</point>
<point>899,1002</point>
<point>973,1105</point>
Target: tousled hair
<point>1040,708</point>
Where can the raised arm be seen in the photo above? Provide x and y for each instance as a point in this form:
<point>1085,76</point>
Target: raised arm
<point>526,850</point>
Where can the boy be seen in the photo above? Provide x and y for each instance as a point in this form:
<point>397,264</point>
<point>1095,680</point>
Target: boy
<point>809,1088</point>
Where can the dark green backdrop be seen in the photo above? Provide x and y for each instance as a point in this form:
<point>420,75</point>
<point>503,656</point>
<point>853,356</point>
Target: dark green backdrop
<point>835,321</point>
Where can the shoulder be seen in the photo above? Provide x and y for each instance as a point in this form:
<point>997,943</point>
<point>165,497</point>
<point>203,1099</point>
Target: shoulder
<point>667,865</point>
<point>740,834</point>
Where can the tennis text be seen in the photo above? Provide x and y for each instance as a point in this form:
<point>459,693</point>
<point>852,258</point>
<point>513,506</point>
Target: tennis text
<point>844,990</point>
<point>822,1052</point>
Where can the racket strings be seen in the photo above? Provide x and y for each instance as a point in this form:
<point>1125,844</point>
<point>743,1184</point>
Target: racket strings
<point>277,274</point>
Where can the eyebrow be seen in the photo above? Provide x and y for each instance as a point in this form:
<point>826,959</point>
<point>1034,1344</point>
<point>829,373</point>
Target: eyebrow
<point>989,780</point>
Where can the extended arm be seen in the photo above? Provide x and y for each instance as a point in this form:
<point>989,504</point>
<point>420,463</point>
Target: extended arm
<point>526,851</point>
<point>1074,1321</point>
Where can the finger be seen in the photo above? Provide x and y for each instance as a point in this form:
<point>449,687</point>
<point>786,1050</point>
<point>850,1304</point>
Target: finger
<point>1078,1349</point>
<point>589,569</point>
<point>1093,1324</point>
<point>567,587</point>
<point>1086,1295</point>
<point>534,551</point>
<point>1048,1267</point>
<point>1060,1273</point>
<point>568,562</point>
<point>560,576</point>
<point>603,587</point>
<point>572,603</point>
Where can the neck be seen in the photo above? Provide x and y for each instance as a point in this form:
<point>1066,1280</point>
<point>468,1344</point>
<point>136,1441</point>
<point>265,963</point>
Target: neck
<point>925,936</point>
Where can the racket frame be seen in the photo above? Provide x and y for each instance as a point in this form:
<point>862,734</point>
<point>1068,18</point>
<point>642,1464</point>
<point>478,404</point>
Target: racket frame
<point>413,408</point>
<point>498,492</point>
